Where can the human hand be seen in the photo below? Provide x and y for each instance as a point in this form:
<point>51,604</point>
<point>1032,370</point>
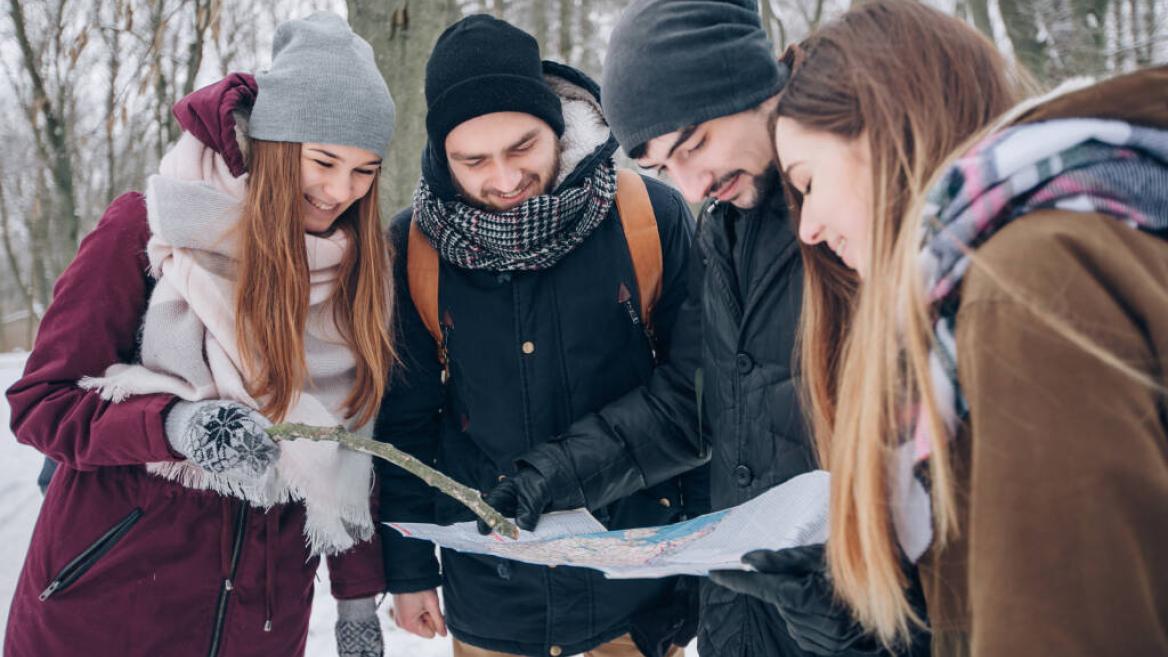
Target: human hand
<point>795,581</point>
<point>419,613</point>
<point>523,496</point>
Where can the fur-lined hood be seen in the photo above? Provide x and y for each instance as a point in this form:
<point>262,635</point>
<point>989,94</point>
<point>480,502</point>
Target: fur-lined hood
<point>586,142</point>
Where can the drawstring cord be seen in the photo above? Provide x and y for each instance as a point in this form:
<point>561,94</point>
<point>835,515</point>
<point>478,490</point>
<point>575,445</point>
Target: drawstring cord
<point>225,539</point>
<point>271,532</point>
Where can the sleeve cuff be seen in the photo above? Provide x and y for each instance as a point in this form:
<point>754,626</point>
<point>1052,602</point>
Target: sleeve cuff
<point>414,584</point>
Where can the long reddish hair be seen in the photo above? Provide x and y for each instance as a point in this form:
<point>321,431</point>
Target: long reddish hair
<point>271,302</point>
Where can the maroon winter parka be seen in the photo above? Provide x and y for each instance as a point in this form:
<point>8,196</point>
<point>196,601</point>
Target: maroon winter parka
<point>123,563</point>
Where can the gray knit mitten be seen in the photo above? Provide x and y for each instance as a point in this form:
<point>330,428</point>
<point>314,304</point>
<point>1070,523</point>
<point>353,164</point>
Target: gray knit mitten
<point>221,436</point>
<point>358,630</point>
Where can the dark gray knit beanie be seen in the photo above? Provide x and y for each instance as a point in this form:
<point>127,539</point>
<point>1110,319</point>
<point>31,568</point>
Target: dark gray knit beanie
<point>323,87</point>
<point>675,63</point>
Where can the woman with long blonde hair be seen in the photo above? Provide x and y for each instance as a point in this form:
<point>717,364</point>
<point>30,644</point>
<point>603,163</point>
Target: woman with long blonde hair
<point>984,336</point>
<point>250,284</point>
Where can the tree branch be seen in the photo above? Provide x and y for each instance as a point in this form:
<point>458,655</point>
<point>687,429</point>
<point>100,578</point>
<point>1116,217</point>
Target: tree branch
<point>10,251</point>
<point>468,496</point>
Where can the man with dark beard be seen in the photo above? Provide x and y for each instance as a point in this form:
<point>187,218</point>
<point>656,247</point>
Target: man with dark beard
<point>690,88</point>
<point>537,316</point>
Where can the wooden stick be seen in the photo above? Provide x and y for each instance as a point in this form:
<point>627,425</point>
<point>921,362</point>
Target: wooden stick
<point>468,496</point>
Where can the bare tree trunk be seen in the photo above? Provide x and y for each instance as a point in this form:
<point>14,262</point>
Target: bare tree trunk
<point>13,261</point>
<point>1117,59</point>
<point>566,29</point>
<point>1143,32</point>
<point>204,9</point>
<point>589,59</point>
<point>1150,25</point>
<point>500,9</point>
<point>53,137</point>
<point>539,23</point>
<point>113,36</point>
<point>402,33</point>
<point>1022,30</point>
<point>157,74</point>
<point>979,10</point>
<point>41,281</point>
<point>1090,39</point>
<point>818,17</point>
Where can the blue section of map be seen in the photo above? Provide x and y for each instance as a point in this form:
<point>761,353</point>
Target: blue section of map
<point>677,531</point>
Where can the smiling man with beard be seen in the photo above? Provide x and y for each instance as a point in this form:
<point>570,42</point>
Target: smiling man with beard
<point>690,88</point>
<point>535,319</point>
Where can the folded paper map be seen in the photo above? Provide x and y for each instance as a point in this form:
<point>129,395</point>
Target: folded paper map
<point>791,514</point>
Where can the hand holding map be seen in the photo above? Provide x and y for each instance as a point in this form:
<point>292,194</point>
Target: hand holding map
<point>789,515</point>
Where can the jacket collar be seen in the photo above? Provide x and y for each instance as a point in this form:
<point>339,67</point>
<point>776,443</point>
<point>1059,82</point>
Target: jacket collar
<point>1140,98</point>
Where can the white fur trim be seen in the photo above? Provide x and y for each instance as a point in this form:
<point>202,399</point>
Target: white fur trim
<point>585,128</point>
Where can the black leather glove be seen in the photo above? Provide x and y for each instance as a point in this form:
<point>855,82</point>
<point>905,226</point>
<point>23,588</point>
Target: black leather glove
<point>523,496</point>
<point>795,581</point>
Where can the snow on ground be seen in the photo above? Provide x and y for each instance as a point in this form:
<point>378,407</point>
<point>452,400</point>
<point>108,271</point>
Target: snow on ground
<point>19,497</point>
<point>20,501</point>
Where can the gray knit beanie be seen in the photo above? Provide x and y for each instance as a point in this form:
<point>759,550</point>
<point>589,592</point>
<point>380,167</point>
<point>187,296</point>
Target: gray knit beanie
<point>323,87</point>
<point>675,63</point>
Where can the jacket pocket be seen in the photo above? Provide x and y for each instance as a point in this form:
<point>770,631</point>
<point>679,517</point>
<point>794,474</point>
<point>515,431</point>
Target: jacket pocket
<point>84,561</point>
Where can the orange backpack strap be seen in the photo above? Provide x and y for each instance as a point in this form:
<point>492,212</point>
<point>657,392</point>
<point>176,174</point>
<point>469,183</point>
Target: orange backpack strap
<point>422,268</point>
<point>640,225</point>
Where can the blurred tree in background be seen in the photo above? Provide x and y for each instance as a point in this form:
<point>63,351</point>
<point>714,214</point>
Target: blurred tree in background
<point>88,85</point>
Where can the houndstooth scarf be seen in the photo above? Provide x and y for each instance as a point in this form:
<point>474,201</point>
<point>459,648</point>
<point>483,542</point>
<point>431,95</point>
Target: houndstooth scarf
<point>1081,165</point>
<point>531,236</point>
<point>189,348</point>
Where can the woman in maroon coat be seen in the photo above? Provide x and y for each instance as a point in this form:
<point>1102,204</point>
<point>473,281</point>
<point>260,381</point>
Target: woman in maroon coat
<point>249,284</point>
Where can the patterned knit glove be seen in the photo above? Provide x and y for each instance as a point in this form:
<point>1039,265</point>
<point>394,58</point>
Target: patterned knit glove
<point>358,630</point>
<point>221,436</point>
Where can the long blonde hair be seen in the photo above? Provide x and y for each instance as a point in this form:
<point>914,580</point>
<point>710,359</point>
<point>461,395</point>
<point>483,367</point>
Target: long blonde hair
<point>271,300</point>
<point>916,84</point>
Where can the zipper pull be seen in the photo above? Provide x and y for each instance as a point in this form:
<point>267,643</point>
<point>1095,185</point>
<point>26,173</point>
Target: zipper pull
<point>625,298</point>
<point>53,586</point>
<point>443,353</point>
<point>228,586</point>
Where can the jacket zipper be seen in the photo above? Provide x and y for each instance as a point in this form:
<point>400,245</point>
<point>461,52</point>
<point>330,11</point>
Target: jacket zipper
<point>84,561</point>
<point>225,590</point>
<point>746,239</point>
<point>635,317</point>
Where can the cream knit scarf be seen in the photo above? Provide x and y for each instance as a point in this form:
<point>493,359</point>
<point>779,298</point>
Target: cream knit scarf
<point>189,348</point>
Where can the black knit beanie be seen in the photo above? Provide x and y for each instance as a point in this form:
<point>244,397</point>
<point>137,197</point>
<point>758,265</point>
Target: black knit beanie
<point>482,65</point>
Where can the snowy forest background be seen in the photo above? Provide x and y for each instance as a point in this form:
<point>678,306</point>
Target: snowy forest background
<point>86,88</point>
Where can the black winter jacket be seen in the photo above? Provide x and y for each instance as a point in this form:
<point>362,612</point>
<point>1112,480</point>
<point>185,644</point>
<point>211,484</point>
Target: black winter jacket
<point>734,348</point>
<point>529,353</point>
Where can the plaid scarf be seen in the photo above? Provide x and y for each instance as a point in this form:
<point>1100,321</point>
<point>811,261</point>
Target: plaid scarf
<point>1081,165</point>
<point>533,235</point>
